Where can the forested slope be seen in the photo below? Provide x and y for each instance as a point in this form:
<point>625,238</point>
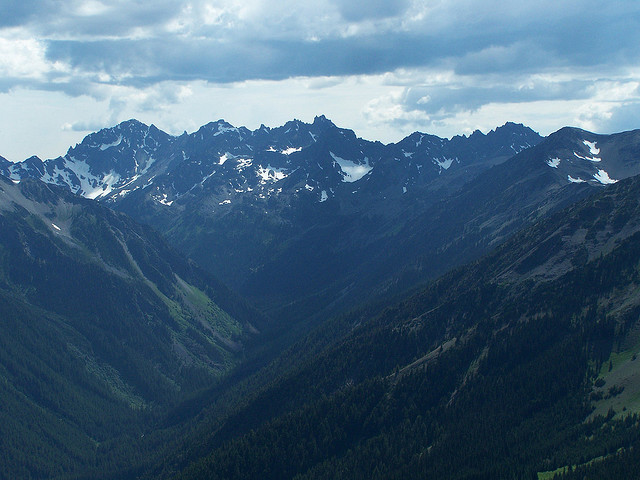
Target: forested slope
<point>103,328</point>
<point>490,372</point>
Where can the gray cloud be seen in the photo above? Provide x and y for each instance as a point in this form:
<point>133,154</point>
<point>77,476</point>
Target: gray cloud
<point>622,118</point>
<point>359,10</point>
<point>85,126</point>
<point>150,60</point>
<point>441,101</point>
<point>447,58</point>
<point>214,61</point>
<point>133,43</point>
<point>520,56</point>
<point>19,12</point>
<point>55,19</point>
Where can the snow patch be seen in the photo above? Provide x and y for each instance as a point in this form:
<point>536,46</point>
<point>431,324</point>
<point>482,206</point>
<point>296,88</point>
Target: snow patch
<point>574,180</point>
<point>308,187</point>
<point>270,174</point>
<point>224,158</point>
<point>603,177</point>
<point>91,186</point>
<point>243,163</point>
<point>445,163</point>
<point>404,189</point>
<point>290,150</point>
<point>108,181</point>
<point>133,179</point>
<point>591,159</point>
<point>14,174</point>
<point>352,172</point>
<point>553,162</point>
<point>150,161</point>
<point>104,146</point>
<point>407,154</point>
<point>519,148</point>
<point>225,202</point>
<point>207,177</point>
<point>149,182</point>
<point>323,196</point>
<point>55,226</point>
<point>163,200</point>
<point>222,129</point>
<point>592,147</point>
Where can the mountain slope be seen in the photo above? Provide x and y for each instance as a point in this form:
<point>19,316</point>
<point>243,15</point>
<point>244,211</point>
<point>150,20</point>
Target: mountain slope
<point>308,219</point>
<point>369,254</point>
<point>103,327</point>
<point>492,371</point>
<point>209,188</point>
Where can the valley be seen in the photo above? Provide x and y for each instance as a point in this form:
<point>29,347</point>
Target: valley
<point>446,308</point>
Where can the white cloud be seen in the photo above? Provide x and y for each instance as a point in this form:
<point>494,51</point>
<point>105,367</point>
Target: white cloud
<point>91,8</point>
<point>381,67</point>
<point>25,59</point>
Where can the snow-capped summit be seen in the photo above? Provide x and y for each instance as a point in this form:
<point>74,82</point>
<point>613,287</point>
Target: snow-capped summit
<point>228,163</point>
<point>578,156</point>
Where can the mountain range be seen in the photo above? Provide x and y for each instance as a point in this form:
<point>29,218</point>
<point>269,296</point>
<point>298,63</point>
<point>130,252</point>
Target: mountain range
<point>309,216</point>
<point>390,297</point>
<point>521,364</point>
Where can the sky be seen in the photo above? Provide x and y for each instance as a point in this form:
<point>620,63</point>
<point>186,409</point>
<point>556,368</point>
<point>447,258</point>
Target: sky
<point>384,68</point>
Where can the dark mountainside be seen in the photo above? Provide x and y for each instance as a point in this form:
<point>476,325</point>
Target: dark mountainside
<point>104,327</point>
<point>319,202</point>
<point>129,361</point>
<point>334,220</point>
<point>493,371</point>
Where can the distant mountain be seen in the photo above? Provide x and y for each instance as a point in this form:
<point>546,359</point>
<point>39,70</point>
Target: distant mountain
<point>498,202</point>
<point>317,157</point>
<point>386,250</point>
<point>103,327</point>
<point>307,219</point>
<point>297,206</point>
<point>518,364</point>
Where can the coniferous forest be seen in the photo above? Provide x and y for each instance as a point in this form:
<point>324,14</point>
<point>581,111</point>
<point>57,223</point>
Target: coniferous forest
<point>119,358</point>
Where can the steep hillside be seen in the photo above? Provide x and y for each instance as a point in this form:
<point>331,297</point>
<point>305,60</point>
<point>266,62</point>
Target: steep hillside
<point>370,254</point>
<point>309,219</point>
<point>503,367</point>
<point>493,371</point>
<point>296,206</point>
<point>103,327</point>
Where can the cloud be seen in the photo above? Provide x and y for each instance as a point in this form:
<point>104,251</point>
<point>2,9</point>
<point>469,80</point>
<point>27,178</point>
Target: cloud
<point>90,19</point>
<point>625,117</point>
<point>612,107</point>
<point>464,94</point>
<point>18,12</point>
<point>140,43</point>
<point>447,104</point>
<point>25,59</point>
<point>359,10</point>
<point>84,126</point>
<point>408,63</point>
